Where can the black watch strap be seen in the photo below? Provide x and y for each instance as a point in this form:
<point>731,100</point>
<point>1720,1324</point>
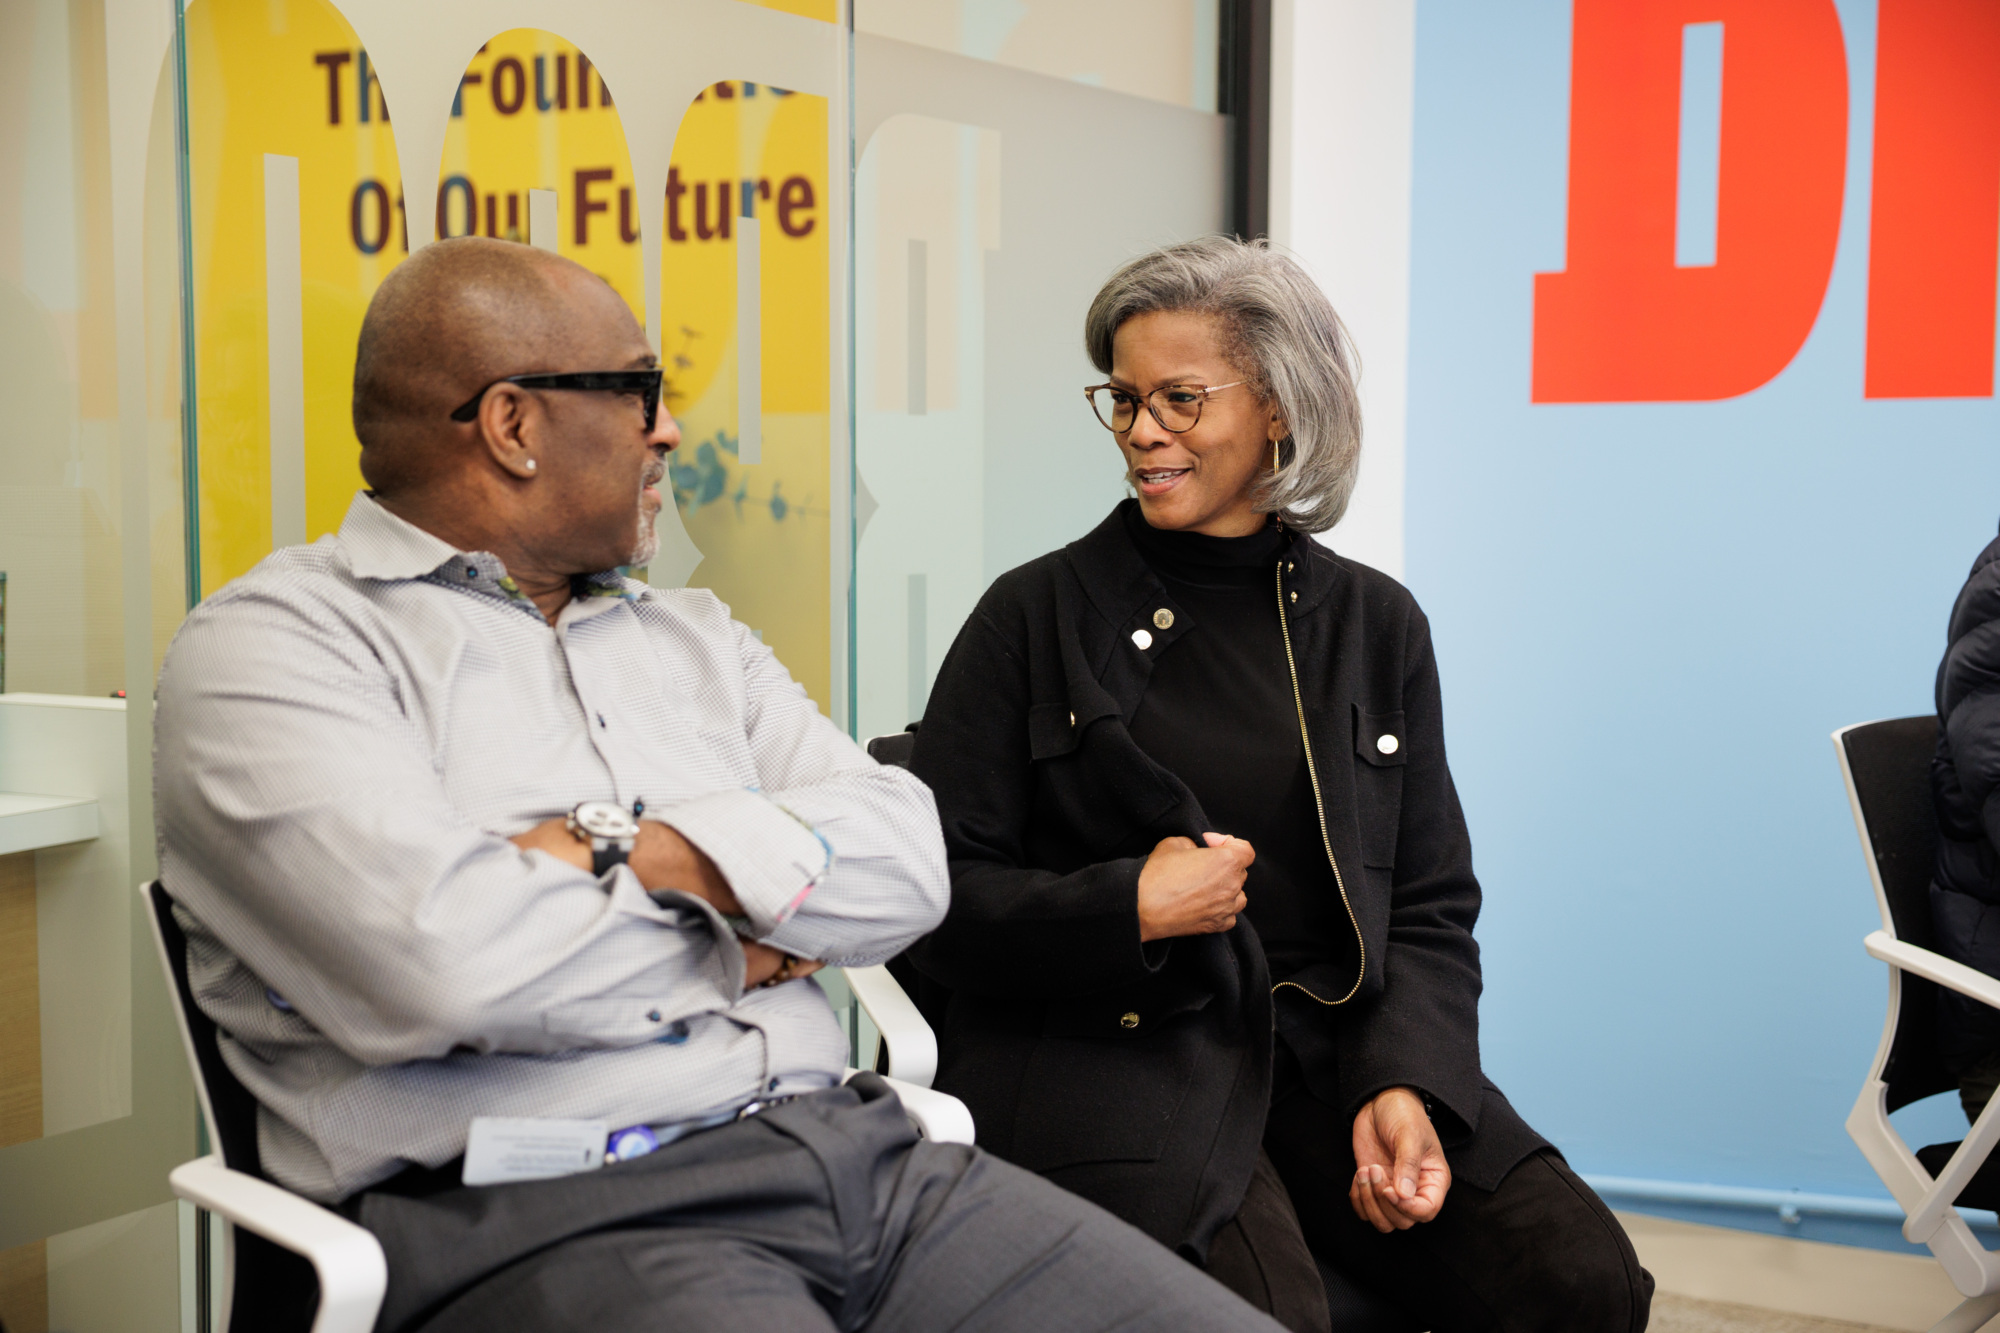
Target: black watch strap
<point>610,854</point>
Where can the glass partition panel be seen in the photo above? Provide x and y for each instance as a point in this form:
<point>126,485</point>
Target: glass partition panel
<point>745,278</point>
<point>1162,49</point>
<point>95,1104</point>
<point>927,220</point>
<point>59,492</point>
<point>712,193</point>
<point>982,229</point>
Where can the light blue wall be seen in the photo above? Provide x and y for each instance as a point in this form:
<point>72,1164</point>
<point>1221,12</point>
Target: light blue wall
<point>1648,618</point>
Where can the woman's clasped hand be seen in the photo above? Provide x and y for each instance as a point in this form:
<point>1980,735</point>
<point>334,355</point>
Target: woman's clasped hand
<point>1190,890</point>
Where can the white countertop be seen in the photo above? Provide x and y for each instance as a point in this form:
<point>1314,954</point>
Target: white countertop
<point>29,822</point>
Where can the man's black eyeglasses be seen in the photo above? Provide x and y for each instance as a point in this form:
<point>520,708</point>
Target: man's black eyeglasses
<point>644,383</point>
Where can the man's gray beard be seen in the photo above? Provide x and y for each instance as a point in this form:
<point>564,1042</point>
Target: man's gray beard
<point>649,542</point>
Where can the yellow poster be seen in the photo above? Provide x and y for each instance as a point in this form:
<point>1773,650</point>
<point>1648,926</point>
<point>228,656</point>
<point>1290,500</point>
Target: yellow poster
<point>533,113</point>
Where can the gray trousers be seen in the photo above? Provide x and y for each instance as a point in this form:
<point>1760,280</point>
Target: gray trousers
<point>821,1214</point>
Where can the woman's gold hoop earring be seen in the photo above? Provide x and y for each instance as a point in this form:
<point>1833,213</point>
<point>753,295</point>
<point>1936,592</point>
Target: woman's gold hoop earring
<point>1275,464</point>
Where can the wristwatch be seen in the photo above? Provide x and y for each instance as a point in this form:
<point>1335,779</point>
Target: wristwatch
<point>608,827</point>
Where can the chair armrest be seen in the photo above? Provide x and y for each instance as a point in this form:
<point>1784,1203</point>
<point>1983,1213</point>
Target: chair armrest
<point>352,1272</point>
<point>942,1117</point>
<point>913,1052</point>
<point>939,1116</point>
<point>1936,967</point>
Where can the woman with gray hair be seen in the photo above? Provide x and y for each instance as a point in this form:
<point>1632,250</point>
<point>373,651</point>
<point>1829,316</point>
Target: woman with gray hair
<point>1192,778</point>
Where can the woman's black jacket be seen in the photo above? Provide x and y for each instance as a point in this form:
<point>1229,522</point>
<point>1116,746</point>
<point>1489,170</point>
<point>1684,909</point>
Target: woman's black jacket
<point>1139,1075</point>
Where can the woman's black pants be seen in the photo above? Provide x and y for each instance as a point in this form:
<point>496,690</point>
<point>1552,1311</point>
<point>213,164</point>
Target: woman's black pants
<point>1540,1252</point>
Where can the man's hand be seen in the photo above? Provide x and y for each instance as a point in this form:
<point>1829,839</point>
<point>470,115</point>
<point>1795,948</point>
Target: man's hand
<point>761,964</point>
<point>553,836</point>
<point>1401,1176</point>
<point>663,859</point>
<point>1190,890</point>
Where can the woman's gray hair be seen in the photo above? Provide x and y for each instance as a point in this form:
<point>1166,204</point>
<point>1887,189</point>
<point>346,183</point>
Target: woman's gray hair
<point>1283,334</point>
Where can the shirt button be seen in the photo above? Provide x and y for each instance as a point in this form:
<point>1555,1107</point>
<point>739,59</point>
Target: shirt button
<point>1388,744</point>
<point>1142,639</point>
<point>1130,1020</point>
<point>1163,619</point>
<point>652,1015</point>
<point>471,573</point>
<point>772,1086</point>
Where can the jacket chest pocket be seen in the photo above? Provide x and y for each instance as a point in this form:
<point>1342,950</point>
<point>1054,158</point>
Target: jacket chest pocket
<point>1093,778</point>
<point>1380,749</point>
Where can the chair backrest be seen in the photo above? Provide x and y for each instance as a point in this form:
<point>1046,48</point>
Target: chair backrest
<point>895,748</point>
<point>273,1290</point>
<point>1888,770</point>
<point>230,1109</point>
<point>1887,766</point>
<point>931,999</point>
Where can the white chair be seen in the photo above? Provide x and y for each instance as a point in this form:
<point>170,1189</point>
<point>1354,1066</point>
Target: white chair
<point>346,1259</point>
<point>1887,769</point>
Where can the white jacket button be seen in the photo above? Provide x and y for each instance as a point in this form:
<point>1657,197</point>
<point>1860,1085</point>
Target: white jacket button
<point>1142,638</point>
<point>1388,744</point>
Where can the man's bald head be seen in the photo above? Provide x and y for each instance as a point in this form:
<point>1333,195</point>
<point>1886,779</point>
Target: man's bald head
<point>454,316</point>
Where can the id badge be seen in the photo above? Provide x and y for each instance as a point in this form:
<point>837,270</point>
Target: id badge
<point>501,1149</point>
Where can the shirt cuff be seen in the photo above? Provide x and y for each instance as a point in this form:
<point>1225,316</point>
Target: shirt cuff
<point>771,858</point>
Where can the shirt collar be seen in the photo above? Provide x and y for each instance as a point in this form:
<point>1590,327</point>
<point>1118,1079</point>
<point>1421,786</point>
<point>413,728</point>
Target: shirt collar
<point>382,545</point>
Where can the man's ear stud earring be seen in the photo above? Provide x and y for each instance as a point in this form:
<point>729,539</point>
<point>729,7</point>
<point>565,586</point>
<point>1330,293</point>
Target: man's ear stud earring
<point>531,464</point>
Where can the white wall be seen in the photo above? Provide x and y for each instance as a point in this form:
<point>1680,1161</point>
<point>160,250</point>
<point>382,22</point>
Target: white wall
<point>1342,95</point>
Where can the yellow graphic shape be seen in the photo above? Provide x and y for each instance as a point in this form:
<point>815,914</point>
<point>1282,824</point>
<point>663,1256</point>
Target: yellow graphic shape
<point>533,113</point>
<point>827,11</point>
<point>764,530</point>
<point>279,77</point>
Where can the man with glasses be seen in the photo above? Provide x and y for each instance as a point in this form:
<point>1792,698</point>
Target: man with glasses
<point>479,841</point>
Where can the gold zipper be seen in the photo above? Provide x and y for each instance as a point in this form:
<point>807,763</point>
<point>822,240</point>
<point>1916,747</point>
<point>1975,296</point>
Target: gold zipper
<point>1319,804</point>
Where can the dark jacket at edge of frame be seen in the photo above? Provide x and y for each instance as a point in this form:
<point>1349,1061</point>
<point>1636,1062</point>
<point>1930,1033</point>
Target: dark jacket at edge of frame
<point>1138,1075</point>
<point>1965,782</point>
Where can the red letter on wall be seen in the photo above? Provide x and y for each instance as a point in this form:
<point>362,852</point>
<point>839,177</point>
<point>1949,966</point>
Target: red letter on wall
<point>1622,323</point>
<point>1935,231</point>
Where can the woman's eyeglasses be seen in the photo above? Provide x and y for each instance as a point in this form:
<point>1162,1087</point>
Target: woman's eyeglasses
<point>644,383</point>
<point>1177,407</point>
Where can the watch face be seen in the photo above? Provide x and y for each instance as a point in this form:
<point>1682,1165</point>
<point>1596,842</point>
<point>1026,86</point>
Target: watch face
<point>603,819</point>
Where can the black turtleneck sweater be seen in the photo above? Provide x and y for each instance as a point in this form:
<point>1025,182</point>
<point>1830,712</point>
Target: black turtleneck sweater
<point>1218,713</point>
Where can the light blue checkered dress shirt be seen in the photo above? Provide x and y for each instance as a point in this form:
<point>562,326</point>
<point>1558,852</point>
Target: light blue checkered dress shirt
<point>347,736</point>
